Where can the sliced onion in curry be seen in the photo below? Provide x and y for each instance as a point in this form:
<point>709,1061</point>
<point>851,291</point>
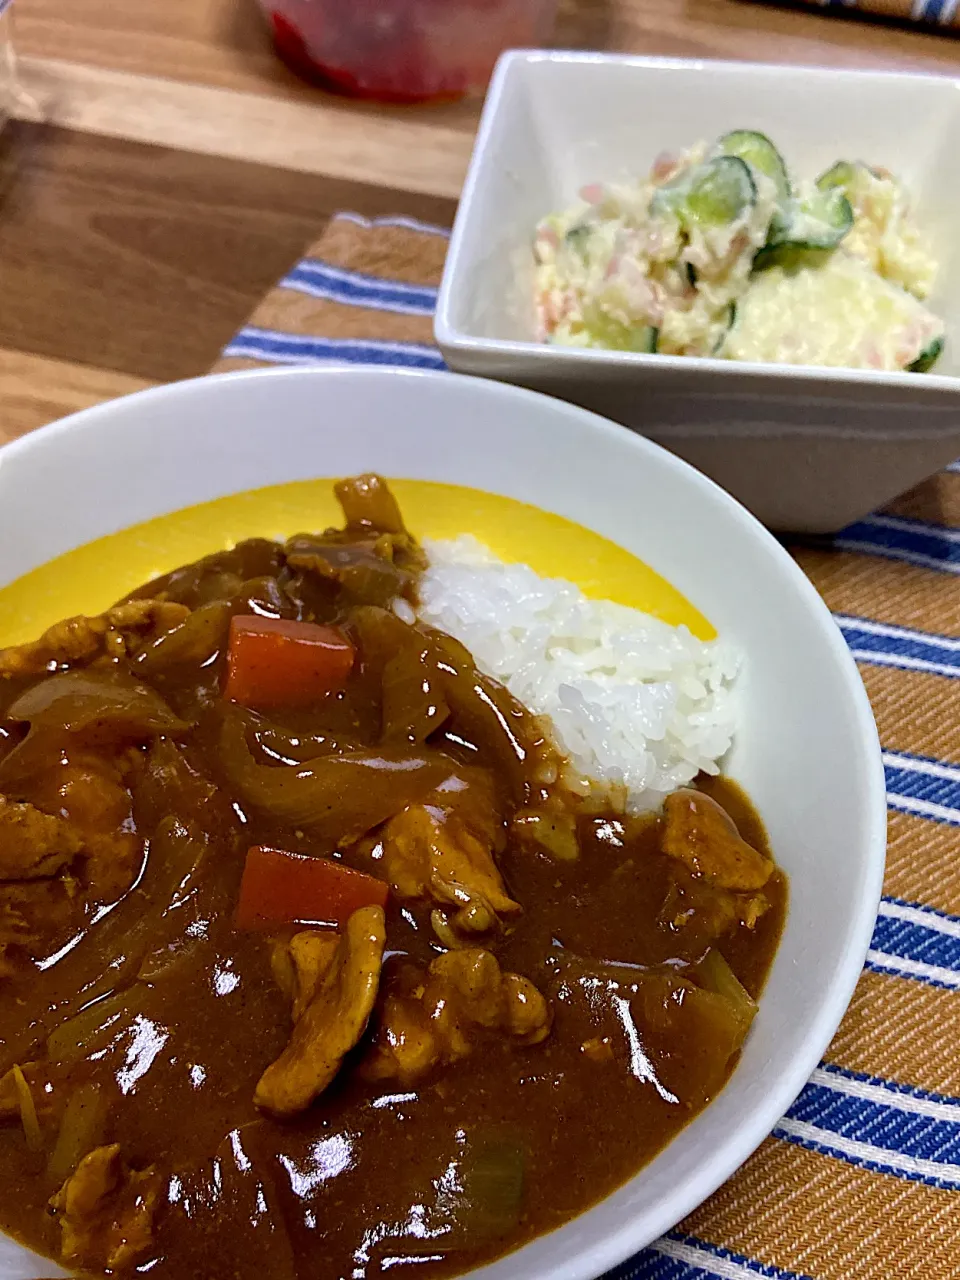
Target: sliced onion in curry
<point>368,504</point>
<point>274,744</point>
<point>108,700</point>
<point>337,798</point>
<point>109,953</point>
<point>82,1127</point>
<point>199,639</point>
<point>413,703</point>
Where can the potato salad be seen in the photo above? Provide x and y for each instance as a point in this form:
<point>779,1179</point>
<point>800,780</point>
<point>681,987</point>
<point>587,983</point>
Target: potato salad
<point>721,252</point>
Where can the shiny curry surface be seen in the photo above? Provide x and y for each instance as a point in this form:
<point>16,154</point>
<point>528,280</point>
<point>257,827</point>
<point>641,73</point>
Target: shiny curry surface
<point>550,992</point>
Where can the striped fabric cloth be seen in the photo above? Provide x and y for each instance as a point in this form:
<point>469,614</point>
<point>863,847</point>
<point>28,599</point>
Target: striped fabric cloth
<point>861,1179</point>
<point>942,13</point>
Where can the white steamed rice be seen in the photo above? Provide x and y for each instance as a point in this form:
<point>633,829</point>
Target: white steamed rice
<point>635,703</point>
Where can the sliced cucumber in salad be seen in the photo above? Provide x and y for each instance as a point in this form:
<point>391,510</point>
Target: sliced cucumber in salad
<point>757,150</point>
<point>641,339</point>
<point>846,174</point>
<point>730,319</point>
<point>711,194</point>
<point>613,335</point>
<point>843,174</point>
<point>790,257</point>
<point>927,357</point>
<point>819,221</point>
<point>578,237</point>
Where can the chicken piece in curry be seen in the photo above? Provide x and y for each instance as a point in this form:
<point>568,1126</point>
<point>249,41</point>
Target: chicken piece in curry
<point>310,964</point>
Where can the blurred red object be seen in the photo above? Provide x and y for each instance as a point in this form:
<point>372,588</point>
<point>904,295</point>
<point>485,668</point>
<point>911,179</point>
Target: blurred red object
<point>404,50</point>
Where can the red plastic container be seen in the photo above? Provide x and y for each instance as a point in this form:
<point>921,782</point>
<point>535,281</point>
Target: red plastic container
<point>404,50</point>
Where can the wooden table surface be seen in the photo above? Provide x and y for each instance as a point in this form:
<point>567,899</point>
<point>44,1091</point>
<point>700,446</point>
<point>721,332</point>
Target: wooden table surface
<point>167,168</point>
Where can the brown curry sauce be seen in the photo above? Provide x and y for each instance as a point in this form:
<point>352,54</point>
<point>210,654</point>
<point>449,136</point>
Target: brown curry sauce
<point>148,1023</point>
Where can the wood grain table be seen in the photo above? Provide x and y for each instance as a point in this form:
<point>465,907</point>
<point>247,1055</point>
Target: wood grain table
<point>166,168</point>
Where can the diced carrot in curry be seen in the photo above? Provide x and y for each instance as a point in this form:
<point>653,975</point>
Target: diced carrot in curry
<point>280,888</point>
<point>276,662</point>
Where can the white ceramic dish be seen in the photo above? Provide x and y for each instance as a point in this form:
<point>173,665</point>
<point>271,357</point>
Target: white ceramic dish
<point>805,449</point>
<point>807,752</point>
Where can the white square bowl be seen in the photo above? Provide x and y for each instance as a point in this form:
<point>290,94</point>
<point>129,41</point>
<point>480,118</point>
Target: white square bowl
<point>806,449</point>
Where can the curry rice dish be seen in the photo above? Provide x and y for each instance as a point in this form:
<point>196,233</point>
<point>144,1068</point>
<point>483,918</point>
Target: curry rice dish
<point>313,961</point>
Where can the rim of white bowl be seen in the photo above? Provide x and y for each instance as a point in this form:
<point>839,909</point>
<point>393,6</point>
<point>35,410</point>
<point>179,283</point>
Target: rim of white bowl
<point>719,1164</point>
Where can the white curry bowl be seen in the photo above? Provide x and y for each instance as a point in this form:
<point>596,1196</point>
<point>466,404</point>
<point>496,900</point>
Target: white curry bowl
<point>806,751</point>
<point>806,449</point>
